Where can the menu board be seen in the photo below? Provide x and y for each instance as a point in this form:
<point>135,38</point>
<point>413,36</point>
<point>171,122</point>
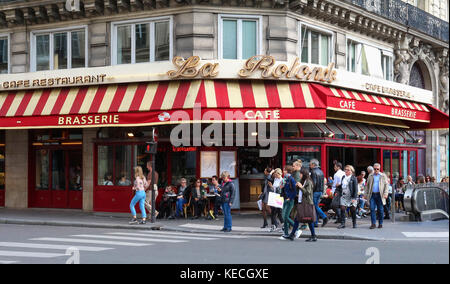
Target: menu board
<point>208,164</point>
<point>228,162</point>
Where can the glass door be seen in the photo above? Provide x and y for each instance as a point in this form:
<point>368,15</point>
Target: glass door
<point>75,172</point>
<point>57,179</point>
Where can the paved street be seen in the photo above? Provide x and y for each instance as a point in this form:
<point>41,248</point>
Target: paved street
<point>48,244</point>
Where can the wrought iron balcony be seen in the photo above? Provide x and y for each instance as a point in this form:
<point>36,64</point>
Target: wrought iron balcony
<point>406,14</point>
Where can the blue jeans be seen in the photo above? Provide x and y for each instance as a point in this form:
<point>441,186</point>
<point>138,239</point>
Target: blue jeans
<point>138,197</point>
<point>297,224</point>
<point>376,203</point>
<point>179,209</point>
<point>316,199</point>
<point>227,216</point>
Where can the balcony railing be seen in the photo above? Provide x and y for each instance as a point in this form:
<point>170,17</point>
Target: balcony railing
<point>406,14</point>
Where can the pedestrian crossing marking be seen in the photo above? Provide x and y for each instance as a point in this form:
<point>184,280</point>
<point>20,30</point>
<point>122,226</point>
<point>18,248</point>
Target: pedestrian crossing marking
<point>105,241</point>
<point>165,236</point>
<point>222,236</point>
<point>29,254</point>
<point>129,238</point>
<point>426,234</point>
<point>7,262</point>
<point>49,246</point>
<point>84,241</point>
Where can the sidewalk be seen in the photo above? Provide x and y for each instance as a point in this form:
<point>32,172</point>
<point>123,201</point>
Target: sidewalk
<point>245,223</point>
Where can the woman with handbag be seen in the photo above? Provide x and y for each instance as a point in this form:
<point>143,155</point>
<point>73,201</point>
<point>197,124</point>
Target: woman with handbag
<point>265,196</point>
<point>349,197</point>
<point>306,211</point>
<point>276,187</point>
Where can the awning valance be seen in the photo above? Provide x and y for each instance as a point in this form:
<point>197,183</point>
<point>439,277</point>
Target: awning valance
<point>364,103</point>
<point>156,103</point>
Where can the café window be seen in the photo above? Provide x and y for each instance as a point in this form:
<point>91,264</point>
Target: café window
<point>4,55</point>
<point>251,164</point>
<point>239,37</point>
<point>55,50</point>
<point>302,152</point>
<point>184,165</point>
<point>143,41</point>
<point>114,165</point>
<point>369,60</point>
<point>315,46</point>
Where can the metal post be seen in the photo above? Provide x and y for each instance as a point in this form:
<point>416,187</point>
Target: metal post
<point>393,205</point>
<point>152,188</point>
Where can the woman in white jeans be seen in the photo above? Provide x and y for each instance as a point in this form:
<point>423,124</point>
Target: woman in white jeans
<point>140,184</point>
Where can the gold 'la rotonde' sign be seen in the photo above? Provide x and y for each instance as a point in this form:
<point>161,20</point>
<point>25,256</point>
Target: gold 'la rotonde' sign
<point>266,64</point>
<point>190,68</point>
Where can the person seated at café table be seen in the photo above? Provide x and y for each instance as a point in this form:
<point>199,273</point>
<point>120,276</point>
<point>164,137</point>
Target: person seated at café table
<point>198,198</point>
<point>123,181</point>
<point>182,197</point>
<point>108,179</point>
<point>165,207</point>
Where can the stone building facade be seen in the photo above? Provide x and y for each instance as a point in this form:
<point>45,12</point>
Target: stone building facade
<point>414,42</point>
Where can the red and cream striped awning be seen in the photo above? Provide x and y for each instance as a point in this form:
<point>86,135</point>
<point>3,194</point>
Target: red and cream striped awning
<point>156,102</point>
<point>364,103</point>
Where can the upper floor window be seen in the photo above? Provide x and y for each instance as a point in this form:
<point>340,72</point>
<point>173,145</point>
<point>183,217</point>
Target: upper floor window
<point>369,60</point>
<point>315,46</point>
<point>4,55</point>
<point>239,36</point>
<point>144,41</point>
<point>54,50</point>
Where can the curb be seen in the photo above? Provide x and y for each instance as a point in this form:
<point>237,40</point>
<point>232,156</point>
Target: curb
<point>160,227</point>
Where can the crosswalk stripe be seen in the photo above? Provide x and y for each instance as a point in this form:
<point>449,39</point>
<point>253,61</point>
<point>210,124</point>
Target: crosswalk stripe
<point>29,254</point>
<point>49,246</point>
<point>426,234</point>
<point>164,236</point>
<point>223,236</point>
<point>72,240</point>
<point>7,262</point>
<point>129,238</point>
<point>217,228</point>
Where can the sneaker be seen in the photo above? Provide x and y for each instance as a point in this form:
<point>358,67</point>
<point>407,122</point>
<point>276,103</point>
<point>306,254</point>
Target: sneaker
<point>284,238</point>
<point>298,234</point>
<point>142,222</point>
<point>133,221</point>
<point>264,226</point>
<point>273,228</point>
<point>312,239</point>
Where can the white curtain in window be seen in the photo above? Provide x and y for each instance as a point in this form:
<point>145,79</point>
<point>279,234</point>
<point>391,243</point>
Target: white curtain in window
<point>373,56</point>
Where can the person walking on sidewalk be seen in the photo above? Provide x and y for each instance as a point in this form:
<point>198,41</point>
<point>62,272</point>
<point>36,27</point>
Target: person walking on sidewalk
<point>151,188</point>
<point>227,196</point>
<point>318,178</point>
<point>337,193</point>
<point>377,190</point>
<point>305,198</point>
<point>140,184</point>
<point>290,192</point>
<point>276,188</point>
<point>349,197</point>
<point>266,209</point>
